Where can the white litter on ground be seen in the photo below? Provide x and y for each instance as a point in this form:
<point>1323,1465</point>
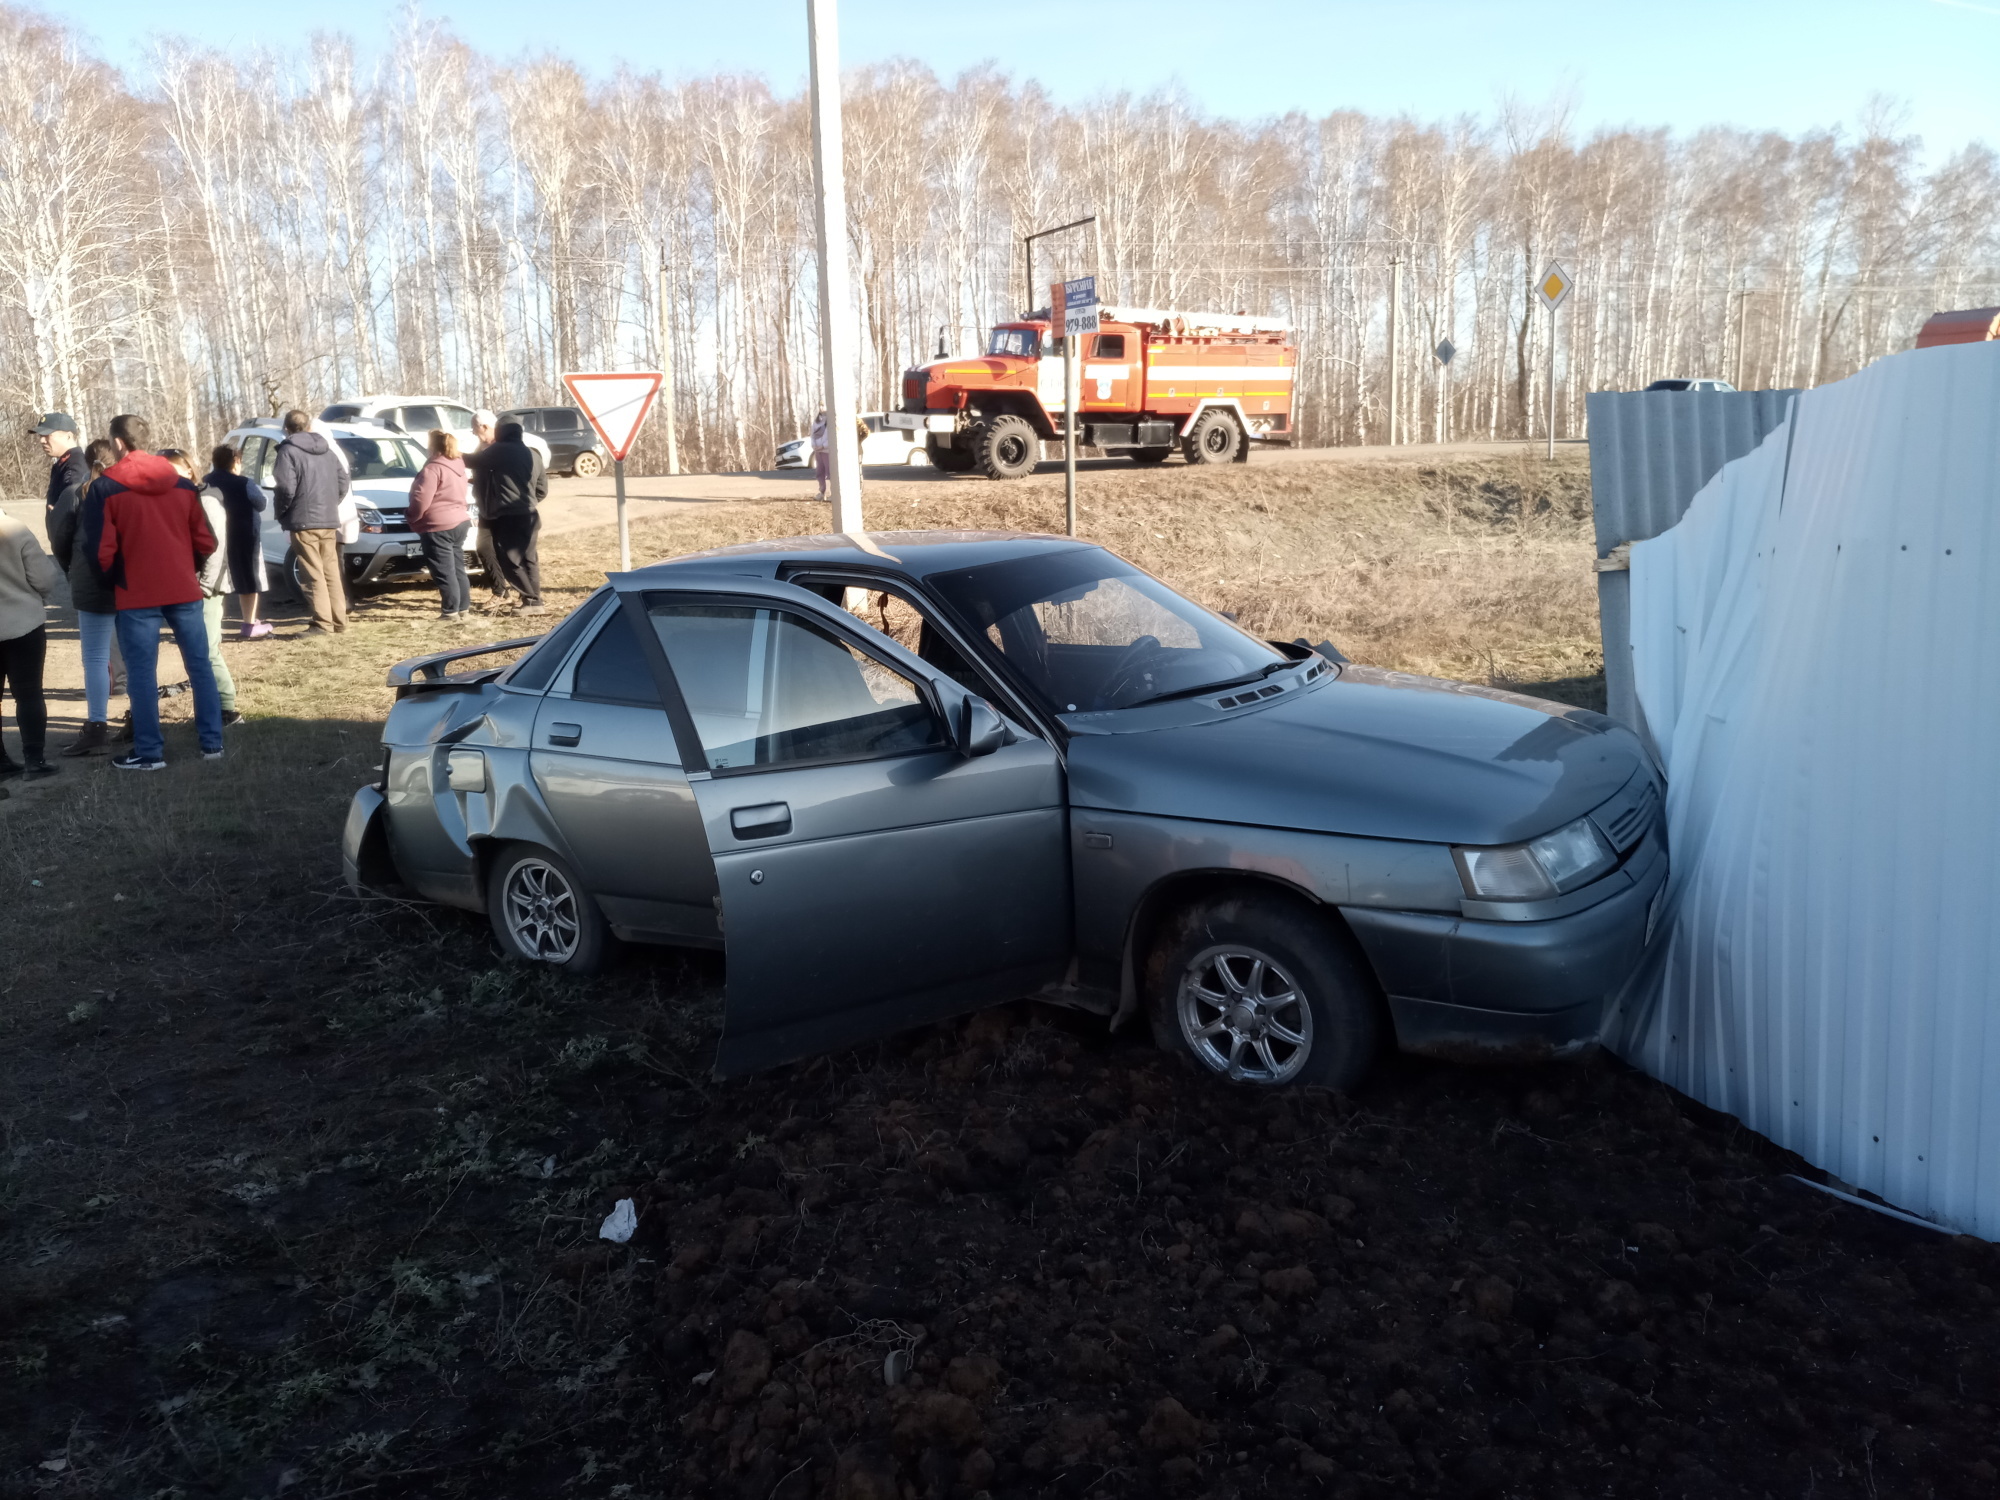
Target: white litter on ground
<point>620,1223</point>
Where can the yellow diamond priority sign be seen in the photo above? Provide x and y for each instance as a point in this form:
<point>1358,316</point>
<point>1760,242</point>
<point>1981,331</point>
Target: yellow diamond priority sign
<point>1554,286</point>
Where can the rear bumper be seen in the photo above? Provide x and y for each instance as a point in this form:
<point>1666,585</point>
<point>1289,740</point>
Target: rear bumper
<point>364,843</point>
<point>1462,987</point>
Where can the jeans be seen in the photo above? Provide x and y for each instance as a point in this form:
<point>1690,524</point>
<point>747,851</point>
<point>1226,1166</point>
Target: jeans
<point>139,639</point>
<point>225,683</point>
<point>514,542</point>
<point>319,556</point>
<point>94,633</point>
<point>21,661</point>
<point>444,553</point>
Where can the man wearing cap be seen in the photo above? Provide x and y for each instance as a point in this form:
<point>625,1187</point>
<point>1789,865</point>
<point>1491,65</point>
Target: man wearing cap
<point>58,432</point>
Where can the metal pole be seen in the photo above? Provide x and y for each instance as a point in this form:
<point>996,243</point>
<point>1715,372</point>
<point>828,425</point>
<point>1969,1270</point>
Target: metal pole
<point>1742,314</point>
<point>836,304</point>
<point>1028,250</point>
<point>1069,433</point>
<point>624,531</point>
<point>1552,383</point>
<point>667,378</point>
<point>1395,342</point>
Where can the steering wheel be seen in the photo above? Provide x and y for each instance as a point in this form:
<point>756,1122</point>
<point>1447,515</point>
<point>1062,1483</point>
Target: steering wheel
<point>1127,668</point>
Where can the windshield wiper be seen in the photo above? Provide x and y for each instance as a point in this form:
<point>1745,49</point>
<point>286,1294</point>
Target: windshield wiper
<point>1212,687</point>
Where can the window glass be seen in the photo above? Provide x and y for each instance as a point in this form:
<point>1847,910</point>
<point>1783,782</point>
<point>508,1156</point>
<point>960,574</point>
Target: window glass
<point>257,459</point>
<point>1111,346</point>
<point>901,621</point>
<point>1023,341</point>
<point>561,419</point>
<point>418,419</point>
<point>456,418</point>
<point>538,668</point>
<point>767,688</point>
<point>340,413</point>
<point>1087,631</point>
<point>382,458</point>
<point>614,668</point>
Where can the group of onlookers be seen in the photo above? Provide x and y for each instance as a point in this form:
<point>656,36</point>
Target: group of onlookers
<point>156,541</point>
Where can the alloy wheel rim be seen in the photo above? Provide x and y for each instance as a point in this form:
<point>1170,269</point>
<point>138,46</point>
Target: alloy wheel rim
<point>1244,1016</point>
<point>541,912</point>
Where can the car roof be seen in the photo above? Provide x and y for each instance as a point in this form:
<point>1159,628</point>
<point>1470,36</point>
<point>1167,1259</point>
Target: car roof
<point>367,401</point>
<point>274,427</point>
<point>916,554</point>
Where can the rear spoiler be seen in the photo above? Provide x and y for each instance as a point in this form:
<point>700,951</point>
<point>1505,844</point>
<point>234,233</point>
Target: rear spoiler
<point>427,674</point>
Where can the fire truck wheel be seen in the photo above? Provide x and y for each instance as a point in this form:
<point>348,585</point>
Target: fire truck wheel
<point>950,458</point>
<point>1007,449</point>
<point>1150,456</point>
<point>1216,439</point>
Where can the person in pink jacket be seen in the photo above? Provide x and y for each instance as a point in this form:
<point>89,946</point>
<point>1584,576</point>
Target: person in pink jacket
<point>439,517</point>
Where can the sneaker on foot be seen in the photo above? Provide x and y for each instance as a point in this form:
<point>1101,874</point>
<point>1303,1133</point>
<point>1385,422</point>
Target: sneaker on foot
<point>37,769</point>
<point>211,754</point>
<point>231,716</point>
<point>537,608</point>
<point>95,737</point>
<point>137,762</point>
<point>256,630</point>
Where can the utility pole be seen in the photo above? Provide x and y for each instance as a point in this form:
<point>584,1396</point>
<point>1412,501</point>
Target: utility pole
<point>1395,343</point>
<point>836,303</point>
<point>1742,315</point>
<point>667,373</point>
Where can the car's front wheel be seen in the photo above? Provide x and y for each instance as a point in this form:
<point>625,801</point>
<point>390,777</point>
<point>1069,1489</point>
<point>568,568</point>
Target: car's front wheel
<point>1264,990</point>
<point>542,914</point>
<point>587,465</point>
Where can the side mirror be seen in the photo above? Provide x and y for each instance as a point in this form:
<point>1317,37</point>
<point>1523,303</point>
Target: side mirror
<point>975,728</point>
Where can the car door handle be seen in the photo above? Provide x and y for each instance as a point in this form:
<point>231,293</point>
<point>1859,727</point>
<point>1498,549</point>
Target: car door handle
<point>565,734</point>
<point>765,820</point>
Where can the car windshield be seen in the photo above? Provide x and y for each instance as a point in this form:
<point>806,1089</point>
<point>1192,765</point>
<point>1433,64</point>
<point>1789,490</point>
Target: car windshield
<point>1087,631</point>
<point>1022,341</point>
<point>381,458</point>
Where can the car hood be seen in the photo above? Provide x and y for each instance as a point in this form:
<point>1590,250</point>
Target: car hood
<point>1374,754</point>
<point>383,494</point>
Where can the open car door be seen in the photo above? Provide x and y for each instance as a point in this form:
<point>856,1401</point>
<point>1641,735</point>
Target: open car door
<point>881,863</point>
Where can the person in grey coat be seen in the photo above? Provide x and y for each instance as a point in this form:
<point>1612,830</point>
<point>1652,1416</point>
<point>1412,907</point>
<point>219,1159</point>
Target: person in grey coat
<point>308,482</point>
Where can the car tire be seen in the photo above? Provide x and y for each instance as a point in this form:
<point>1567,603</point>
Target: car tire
<point>1216,439</point>
<point>1007,448</point>
<point>1147,457</point>
<point>1317,1020</point>
<point>587,465</point>
<point>542,914</point>
<point>918,459</point>
<point>295,575</point>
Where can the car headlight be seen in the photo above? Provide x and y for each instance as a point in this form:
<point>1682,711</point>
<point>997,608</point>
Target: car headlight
<point>1573,855</point>
<point>370,517</point>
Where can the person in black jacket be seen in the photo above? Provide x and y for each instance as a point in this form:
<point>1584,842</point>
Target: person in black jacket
<point>243,502</point>
<point>67,465</point>
<point>91,593</point>
<point>509,480</point>
<point>309,482</point>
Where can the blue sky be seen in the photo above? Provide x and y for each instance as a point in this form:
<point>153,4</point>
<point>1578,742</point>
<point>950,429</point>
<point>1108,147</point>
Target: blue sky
<point>1776,64</point>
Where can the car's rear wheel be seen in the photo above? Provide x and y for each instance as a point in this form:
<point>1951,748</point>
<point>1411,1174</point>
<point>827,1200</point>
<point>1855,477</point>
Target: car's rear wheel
<point>918,459</point>
<point>1216,439</point>
<point>1265,990</point>
<point>949,457</point>
<point>542,914</point>
<point>587,465</point>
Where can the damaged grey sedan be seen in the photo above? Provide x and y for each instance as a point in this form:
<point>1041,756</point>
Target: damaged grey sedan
<point>900,776</point>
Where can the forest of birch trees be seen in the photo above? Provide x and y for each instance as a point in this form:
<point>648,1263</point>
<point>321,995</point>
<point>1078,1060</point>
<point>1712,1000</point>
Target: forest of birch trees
<point>230,233</point>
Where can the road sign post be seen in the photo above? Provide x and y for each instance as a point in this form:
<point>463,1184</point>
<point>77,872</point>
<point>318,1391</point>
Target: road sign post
<point>1553,288</point>
<point>836,303</point>
<point>1073,313</point>
<point>1444,352</point>
<point>615,403</point>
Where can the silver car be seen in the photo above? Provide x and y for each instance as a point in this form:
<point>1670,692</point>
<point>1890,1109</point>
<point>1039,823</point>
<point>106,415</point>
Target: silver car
<point>901,776</point>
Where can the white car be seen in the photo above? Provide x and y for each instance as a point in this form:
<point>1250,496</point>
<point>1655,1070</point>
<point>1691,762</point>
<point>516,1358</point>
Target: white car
<point>414,416</point>
<point>883,445</point>
<point>381,464</point>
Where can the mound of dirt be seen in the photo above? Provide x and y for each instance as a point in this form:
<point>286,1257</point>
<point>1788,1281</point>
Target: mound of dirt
<point>1097,1272</point>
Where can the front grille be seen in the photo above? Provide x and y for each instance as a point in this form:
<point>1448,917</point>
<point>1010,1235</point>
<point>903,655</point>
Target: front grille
<point>1626,826</point>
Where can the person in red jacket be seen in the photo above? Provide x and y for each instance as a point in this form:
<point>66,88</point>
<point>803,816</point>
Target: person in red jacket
<point>151,537</point>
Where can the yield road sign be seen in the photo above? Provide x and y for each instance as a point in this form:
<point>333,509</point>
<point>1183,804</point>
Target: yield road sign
<point>1445,350</point>
<point>616,402</point>
<point>1554,286</point>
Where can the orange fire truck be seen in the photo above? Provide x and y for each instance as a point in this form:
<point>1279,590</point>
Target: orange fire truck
<point>1150,380</point>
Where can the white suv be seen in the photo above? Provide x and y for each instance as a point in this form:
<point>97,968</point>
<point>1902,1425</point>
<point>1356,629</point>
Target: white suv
<point>413,416</point>
<point>381,464</point>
